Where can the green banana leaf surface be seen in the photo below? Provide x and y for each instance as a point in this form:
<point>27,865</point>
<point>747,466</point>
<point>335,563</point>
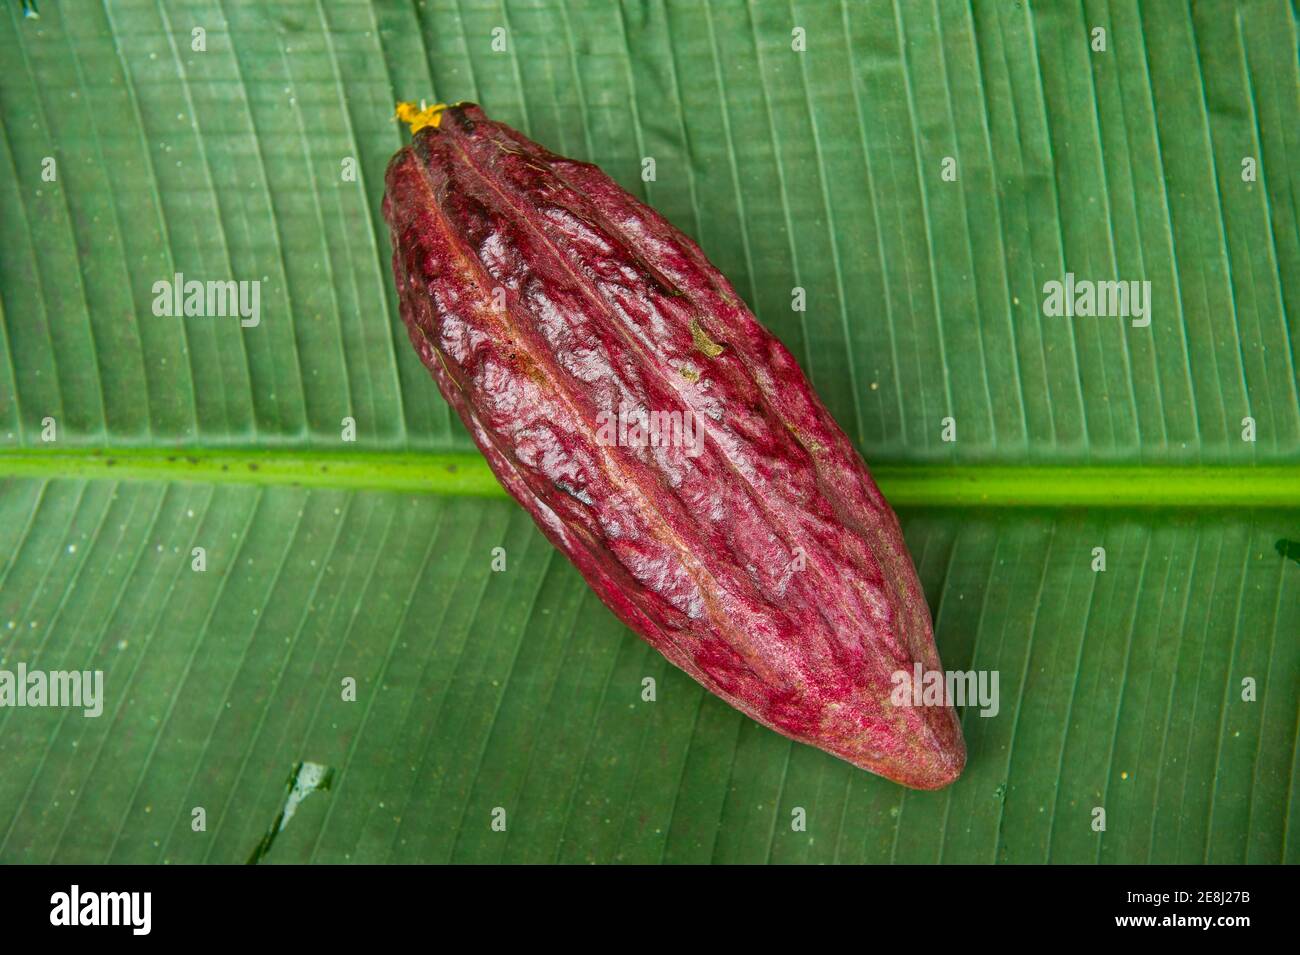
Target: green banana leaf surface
<point>1104,509</point>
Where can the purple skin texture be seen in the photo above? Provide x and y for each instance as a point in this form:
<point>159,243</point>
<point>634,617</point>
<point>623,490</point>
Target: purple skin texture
<point>767,565</point>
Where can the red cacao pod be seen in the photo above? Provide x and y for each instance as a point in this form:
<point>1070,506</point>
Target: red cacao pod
<point>758,555</point>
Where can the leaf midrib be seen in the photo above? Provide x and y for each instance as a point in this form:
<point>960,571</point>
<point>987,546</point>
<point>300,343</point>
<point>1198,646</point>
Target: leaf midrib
<point>467,474</point>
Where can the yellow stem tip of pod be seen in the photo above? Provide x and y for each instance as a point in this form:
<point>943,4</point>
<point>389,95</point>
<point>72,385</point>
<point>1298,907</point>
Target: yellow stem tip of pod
<point>417,118</point>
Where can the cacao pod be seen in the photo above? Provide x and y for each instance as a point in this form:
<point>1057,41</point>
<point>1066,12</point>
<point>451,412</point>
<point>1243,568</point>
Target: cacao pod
<point>755,551</point>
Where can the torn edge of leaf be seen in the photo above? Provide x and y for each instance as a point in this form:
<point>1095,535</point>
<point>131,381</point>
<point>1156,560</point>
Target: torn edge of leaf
<point>305,779</point>
<point>418,117</point>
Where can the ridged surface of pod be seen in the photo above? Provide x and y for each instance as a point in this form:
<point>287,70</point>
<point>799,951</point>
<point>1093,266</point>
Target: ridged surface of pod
<point>743,538</point>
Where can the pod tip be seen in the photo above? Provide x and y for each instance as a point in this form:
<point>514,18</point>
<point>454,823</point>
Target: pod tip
<point>418,117</point>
